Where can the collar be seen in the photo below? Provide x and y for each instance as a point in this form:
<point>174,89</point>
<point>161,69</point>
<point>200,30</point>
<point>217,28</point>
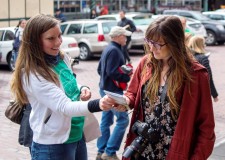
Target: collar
<point>52,60</point>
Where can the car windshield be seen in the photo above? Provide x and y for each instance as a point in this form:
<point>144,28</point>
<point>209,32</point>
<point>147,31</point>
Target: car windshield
<point>200,17</point>
<point>142,20</point>
<point>63,27</point>
<point>106,26</point>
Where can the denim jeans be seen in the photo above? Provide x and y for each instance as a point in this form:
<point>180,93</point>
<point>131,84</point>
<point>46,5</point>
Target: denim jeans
<point>71,151</point>
<point>14,55</point>
<point>111,143</point>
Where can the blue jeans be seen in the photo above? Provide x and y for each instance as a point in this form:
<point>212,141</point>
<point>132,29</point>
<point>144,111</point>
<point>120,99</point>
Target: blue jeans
<point>14,55</point>
<point>111,143</point>
<point>71,151</point>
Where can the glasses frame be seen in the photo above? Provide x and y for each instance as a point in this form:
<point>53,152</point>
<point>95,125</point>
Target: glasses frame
<point>158,46</point>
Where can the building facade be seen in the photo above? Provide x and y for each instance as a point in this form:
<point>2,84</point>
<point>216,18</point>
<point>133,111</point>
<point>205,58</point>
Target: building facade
<point>84,6</point>
<point>11,11</point>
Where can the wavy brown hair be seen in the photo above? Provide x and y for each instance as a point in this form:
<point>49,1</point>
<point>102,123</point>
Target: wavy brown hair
<point>31,56</point>
<point>169,28</point>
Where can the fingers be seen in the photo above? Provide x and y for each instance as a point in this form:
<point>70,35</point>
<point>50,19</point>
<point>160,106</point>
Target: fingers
<point>107,103</point>
<point>85,94</point>
<point>120,108</point>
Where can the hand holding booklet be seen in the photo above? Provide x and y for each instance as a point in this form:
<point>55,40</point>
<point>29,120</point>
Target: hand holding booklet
<point>118,98</point>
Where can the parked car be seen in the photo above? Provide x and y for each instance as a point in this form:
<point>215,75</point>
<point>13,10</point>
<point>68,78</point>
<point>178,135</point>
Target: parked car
<point>195,26</point>
<point>220,10</point>
<point>215,30</point>
<point>91,35</point>
<point>6,41</point>
<point>69,46</point>
<point>217,16</point>
<point>141,21</point>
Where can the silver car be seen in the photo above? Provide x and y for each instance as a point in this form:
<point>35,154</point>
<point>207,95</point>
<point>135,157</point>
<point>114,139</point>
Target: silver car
<point>91,35</point>
<point>141,21</point>
<point>193,25</point>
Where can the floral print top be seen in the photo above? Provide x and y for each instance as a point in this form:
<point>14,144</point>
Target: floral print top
<point>160,119</point>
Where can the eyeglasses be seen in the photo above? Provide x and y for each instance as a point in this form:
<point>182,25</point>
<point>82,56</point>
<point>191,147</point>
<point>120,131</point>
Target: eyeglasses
<point>154,44</point>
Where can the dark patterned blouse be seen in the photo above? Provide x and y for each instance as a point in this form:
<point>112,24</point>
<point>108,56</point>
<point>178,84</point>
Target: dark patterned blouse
<point>159,118</point>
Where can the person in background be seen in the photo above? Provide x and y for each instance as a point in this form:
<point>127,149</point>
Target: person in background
<point>184,24</point>
<point>60,16</point>
<point>197,46</point>
<point>18,38</point>
<point>188,36</point>
<point>103,10</point>
<point>170,96</point>
<point>108,69</point>
<point>129,25</point>
<point>44,79</point>
<point>93,14</point>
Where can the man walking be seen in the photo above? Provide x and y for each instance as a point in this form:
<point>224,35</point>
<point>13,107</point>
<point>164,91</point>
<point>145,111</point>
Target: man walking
<point>129,25</point>
<point>111,59</point>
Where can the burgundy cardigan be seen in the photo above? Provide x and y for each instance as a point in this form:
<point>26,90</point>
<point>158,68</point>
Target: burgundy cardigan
<point>194,135</point>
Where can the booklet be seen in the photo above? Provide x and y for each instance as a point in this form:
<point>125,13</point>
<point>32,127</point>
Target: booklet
<point>118,98</point>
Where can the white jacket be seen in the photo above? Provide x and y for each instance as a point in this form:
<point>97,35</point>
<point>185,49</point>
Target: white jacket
<point>49,101</point>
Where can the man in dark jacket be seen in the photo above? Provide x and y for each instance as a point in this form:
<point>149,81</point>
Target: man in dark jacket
<point>60,16</point>
<point>128,25</point>
<point>111,59</point>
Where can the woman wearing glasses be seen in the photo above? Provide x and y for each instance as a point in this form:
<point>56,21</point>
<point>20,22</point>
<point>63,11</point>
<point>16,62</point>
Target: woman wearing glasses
<point>170,96</point>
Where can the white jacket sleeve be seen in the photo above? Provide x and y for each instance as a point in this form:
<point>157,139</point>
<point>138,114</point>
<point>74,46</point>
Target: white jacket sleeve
<point>49,95</point>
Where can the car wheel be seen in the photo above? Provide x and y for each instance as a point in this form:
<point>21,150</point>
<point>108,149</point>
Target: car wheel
<point>211,38</point>
<point>84,52</point>
<point>10,61</point>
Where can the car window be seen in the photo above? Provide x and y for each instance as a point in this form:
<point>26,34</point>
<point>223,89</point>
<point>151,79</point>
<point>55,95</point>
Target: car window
<point>170,13</point>
<point>107,18</point>
<point>9,35</point>
<point>1,34</point>
<point>74,29</point>
<point>106,26</point>
<point>63,27</point>
<point>217,17</point>
<point>90,28</point>
<point>186,15</point>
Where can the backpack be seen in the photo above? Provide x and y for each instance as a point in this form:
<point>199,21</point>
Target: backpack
<point>16,43</point>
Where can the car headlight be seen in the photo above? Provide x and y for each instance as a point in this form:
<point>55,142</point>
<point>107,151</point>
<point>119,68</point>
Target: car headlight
<point>220,27</point>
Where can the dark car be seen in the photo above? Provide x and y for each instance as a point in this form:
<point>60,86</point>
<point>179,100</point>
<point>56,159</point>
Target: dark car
<point>215,30</point>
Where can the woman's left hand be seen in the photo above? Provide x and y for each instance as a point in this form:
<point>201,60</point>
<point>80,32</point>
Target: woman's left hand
<point>85,94</point>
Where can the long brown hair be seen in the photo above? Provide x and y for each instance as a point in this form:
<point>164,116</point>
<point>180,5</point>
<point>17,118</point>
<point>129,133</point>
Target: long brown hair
<point>31,56</point>
<point>170,29</point>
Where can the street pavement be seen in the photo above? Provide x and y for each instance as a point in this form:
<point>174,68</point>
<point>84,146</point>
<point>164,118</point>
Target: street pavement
<point>87,75</point>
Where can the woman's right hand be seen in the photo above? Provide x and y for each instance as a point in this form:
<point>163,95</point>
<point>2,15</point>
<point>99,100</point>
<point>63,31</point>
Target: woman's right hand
<point>106,103</point>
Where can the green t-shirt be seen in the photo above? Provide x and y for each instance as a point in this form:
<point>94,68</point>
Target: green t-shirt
<point>72,91</point>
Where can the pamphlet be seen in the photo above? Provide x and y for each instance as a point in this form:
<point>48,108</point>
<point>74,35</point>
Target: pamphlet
<point>118,98</point>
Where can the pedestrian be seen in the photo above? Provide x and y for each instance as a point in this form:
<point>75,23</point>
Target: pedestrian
<point>44,79</point>
<point>197,46</point>
<point>170,96</point>
<point>93,14</point>
<point>108,69</point>
<point>18,37</point>
<point>103,10</point>
<point>184,24</point>
<point>130,26</point>
<point>59,15</point>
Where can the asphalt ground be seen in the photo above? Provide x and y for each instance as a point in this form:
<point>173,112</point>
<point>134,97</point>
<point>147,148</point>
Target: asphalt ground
<point>87,75</point>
